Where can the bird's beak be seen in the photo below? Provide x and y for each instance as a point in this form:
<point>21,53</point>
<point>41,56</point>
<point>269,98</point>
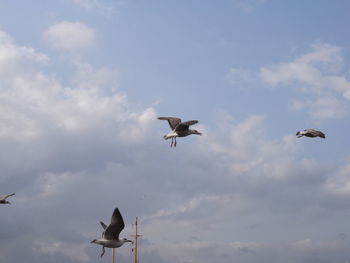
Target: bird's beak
<point>93,241</point>
<point>129,241</point>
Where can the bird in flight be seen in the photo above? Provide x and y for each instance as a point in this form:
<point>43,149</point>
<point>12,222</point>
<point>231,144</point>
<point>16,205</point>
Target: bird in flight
<point>178,129</point>
<point>3,199</point>
<point>110,235</point>
<point>310,133</point>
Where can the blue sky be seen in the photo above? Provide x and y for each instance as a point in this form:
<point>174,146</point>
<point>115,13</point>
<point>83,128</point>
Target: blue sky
<point>82,83</point>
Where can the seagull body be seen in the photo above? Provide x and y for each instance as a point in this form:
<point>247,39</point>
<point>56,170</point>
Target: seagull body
<point>3,199</point>
<point>178,129</point>
<point>109,243</point>
<point>311,133</point>
<point>110,235</point>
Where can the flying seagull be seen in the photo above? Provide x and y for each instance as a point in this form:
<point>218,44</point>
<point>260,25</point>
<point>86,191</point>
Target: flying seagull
<point>110,235</point>
<point>310,133</point>
<point>178,129</point>
<point>3,199</point>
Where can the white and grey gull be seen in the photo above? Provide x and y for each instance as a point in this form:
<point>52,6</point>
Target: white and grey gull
<point>3,199</point>
<point>110,235</point>
<point>311,133</point>
<point>178,129</point>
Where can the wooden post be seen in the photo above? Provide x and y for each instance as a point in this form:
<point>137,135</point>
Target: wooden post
<point>113,255</point>
<point>135,243</point>
<point>136,236</point>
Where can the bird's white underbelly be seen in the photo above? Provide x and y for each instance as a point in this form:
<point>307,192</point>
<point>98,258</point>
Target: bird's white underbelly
<point>171,135</point>
<point>112,243</point>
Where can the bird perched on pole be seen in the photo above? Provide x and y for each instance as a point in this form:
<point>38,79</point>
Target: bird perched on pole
<point>178,129</point>
<point>3,199</point>
<point>110,235</point>
<point>310,133</point>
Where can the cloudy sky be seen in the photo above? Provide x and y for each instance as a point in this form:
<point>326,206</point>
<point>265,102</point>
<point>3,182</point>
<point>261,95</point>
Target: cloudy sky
<point>82,83</point>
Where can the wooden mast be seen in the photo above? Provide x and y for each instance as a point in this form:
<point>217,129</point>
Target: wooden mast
<point>113,255</point>
<point>136,236</point>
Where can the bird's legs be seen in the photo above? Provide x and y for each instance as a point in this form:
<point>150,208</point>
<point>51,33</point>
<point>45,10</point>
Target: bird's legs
<point>175,142</point>
<point>172,141</point>
<point>103,251</point>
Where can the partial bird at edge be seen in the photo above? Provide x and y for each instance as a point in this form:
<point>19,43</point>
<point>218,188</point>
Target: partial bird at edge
<point>3,198</point>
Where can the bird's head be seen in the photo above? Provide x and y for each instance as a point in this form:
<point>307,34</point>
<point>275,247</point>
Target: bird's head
<point>300,133</point>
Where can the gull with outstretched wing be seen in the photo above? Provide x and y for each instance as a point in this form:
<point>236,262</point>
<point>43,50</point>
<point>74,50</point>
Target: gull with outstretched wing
<point>110,235</point>
<point>178,129</point>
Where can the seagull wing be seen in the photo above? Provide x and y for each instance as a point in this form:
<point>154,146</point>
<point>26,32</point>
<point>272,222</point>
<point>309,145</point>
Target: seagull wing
<point>6,196</point>
<point>173,122</point>
<point>322,135</point>
<point>183,126</point>
<point>116,226</point>
<point>103,225</point>
<point>104,228</point>
<point>316,133</point>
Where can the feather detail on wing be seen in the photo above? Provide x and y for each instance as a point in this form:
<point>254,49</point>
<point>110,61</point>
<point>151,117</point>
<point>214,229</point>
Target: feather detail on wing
<point>173,121</point>
<point>185,125</point>
<point>117,225</point>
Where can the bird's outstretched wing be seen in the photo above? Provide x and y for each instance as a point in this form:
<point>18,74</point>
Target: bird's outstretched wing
<point>116,226</point>
<point>6,196</point>
<point>173,122</point>
<point>104,228</point>
<point>103,225</point>
<point>185,125</point>
<point>316,133</point>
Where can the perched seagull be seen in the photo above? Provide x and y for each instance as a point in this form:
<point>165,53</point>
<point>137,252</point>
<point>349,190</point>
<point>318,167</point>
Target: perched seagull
<point>3,199</point>
<point>178,129</point>
<point>110,235</point>
<point>310,133</point>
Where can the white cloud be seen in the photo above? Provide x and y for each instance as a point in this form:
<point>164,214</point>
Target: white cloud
<point>325,107</point>
<point>246,147</point>
<point>33,104</point>
<point>339,183</point>
<point>17,58</point>
<point>308,68</point>
<point>87,77</point>
<point>239,76</point>
<point>70,35</point>
<point>76,252</point>
<point>317,73</point>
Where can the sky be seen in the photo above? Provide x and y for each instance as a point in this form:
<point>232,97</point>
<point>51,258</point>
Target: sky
<point>82,83</point>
